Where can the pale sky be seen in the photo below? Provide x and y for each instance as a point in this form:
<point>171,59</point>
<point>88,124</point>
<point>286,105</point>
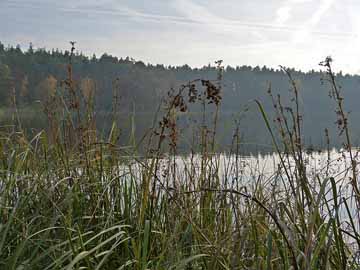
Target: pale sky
<point>294,33</point>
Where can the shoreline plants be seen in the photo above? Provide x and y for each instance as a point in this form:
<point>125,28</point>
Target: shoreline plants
<point>73,198</point>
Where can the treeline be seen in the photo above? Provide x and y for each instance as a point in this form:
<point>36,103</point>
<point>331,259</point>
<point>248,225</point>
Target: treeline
<point>28,77</point>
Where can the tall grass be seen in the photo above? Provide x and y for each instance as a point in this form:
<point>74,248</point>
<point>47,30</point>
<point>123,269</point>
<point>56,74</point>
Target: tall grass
<point>71,198</point>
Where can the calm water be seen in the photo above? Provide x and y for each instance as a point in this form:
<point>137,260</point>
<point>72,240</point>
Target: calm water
<point>239,172</point>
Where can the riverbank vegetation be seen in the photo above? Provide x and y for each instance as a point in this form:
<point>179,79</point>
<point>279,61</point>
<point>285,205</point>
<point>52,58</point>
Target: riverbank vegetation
<point>75,197</point>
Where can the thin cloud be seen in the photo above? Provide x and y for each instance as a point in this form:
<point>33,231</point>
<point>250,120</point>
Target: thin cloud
<point>303,34</point>
<point>198,14</point>
<point>283,14</point>
<point>195,15</point>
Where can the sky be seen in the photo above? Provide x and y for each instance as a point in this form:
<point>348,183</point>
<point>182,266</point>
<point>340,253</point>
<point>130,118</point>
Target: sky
<point>293,33</point>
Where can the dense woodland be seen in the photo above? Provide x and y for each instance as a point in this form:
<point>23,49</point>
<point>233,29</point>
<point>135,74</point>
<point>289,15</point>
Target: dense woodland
<point>28,77</point>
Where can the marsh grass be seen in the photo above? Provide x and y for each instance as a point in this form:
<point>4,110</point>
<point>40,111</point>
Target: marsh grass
<point>72,198</point>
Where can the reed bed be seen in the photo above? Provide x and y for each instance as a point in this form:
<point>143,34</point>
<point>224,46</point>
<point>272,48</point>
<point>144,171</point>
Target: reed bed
<point>72,198</point>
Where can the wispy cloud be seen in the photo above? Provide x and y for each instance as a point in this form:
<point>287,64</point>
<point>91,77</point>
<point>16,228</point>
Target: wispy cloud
<point>193,14</point>
<point>303,34</point>
<point>283,14</point>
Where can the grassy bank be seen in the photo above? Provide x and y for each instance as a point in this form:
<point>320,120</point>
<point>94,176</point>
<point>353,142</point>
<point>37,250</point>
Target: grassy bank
<point>72,198</point>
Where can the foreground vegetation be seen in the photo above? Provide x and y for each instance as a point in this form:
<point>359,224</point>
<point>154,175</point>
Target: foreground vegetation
<point>71,198</point>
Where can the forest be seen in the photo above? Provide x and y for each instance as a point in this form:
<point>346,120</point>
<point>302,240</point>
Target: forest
<point>28,77</point>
